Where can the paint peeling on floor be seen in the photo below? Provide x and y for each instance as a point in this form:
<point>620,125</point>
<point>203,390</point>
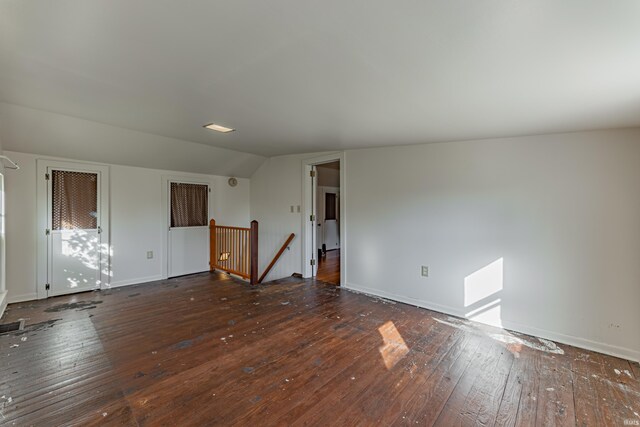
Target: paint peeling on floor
<point>506,337</point>
<point>80,305</point>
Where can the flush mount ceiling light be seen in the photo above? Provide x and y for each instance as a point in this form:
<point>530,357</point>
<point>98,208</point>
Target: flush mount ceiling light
<point>219,128</point>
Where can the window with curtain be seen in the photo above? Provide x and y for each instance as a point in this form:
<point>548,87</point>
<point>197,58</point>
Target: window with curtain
<point>330,207</point>
<point>75,200</point>
<point>189,204</point>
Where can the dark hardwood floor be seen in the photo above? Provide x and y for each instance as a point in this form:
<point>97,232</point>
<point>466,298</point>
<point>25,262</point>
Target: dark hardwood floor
<point>329,267</point>
<point>207,349</point>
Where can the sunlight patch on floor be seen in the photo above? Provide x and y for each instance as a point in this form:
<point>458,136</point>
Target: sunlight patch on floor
<point>394,348</point>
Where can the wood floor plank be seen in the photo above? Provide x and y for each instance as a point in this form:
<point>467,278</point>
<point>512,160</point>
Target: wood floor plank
<point>209,349</point>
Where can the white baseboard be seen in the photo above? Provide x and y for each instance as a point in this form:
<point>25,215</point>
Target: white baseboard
<point>3,302</point>
<point>34,296</point>
<point>612,350</point>
<point>137,281</point>
<point>22,298</point>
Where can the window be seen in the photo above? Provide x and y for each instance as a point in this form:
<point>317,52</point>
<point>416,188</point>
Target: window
<point>75,200</point>
<point>189,204</point>
<point>330,207</point>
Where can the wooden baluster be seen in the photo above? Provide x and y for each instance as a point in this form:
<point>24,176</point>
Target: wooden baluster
<point>235,249</point>
<point>254,252</point>
<point>246,252</point>
<point>212,244</point>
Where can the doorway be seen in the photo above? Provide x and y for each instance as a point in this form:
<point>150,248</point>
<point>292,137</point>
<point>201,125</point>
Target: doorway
<point>327,202</point>
<point>323,231</point>
<point>74,205</point>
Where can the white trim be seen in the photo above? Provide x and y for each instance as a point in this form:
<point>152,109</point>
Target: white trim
<point>3,246</point>
<point>42,166</point>
<point>406,300</point>
<point>137,281</point>
<point>3,302</point>
<point>307,228</point>
<point>22,298</point>
<point>612,350</point>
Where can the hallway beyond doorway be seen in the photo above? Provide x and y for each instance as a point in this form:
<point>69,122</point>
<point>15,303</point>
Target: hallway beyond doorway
<point>329,267</point>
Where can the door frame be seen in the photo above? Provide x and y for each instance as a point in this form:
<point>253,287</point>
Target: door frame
<point>165,256</point>
<point>42,210</point>
<point>307,227</point>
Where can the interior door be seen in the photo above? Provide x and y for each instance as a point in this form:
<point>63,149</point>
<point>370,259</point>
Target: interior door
<point>73,231</point>
<point>188,228</point>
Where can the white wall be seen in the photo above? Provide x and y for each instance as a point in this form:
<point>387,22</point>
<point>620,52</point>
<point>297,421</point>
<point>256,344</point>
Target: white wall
<point>551,225</point>
<point>275,187</point>
<point>3,290</point>
<point>138,221</point>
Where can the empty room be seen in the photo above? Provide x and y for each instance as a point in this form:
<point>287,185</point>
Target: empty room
<point>319,213</point>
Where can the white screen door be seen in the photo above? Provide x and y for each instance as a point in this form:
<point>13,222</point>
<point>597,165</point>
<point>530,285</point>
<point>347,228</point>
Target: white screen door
<point>188,228</point>
<point>73,231</point>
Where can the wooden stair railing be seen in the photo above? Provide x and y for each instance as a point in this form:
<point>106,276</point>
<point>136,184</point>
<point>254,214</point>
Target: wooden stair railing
<point>277,257</point>
<point>234,250</point>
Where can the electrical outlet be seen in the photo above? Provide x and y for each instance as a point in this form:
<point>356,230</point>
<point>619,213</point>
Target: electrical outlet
<point>149,254</point>
<point>298,207</point>
<point>424,271</point>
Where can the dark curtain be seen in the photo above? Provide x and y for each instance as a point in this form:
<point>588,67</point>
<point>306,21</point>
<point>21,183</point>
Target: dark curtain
<point>189,204</point>
<point>75,200</point>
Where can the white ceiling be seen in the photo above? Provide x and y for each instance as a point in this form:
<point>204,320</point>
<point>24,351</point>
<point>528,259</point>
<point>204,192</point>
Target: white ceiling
<point>294,76</point>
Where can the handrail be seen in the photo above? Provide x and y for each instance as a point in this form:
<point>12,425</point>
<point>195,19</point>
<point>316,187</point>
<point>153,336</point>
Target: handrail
<point>227,227</point>
<point>277,257</point>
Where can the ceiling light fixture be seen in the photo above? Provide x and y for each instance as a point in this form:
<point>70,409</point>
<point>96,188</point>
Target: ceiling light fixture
<point>219,128</point>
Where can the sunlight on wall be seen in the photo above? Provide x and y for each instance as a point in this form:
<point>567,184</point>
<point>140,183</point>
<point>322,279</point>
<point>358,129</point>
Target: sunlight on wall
<point>482,294</point>
<point>394,347</point>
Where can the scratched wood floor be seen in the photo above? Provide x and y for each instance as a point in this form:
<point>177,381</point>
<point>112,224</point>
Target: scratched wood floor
<point>329,267</point>
<point>206,350</point>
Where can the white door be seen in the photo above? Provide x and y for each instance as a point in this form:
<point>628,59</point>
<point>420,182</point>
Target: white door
<point>188,228</point>
<point>73,231</point>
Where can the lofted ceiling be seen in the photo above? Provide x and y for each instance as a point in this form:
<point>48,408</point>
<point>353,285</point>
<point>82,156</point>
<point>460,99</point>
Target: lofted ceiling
<point>296,77</point>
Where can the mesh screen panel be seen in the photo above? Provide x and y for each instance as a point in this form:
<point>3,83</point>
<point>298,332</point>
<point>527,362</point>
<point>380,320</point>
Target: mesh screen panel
<point>75,200</point>
<point>189,204</point>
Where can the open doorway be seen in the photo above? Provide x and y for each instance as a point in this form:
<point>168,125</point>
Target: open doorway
<point>324,220</point>
<point>327,239</point>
